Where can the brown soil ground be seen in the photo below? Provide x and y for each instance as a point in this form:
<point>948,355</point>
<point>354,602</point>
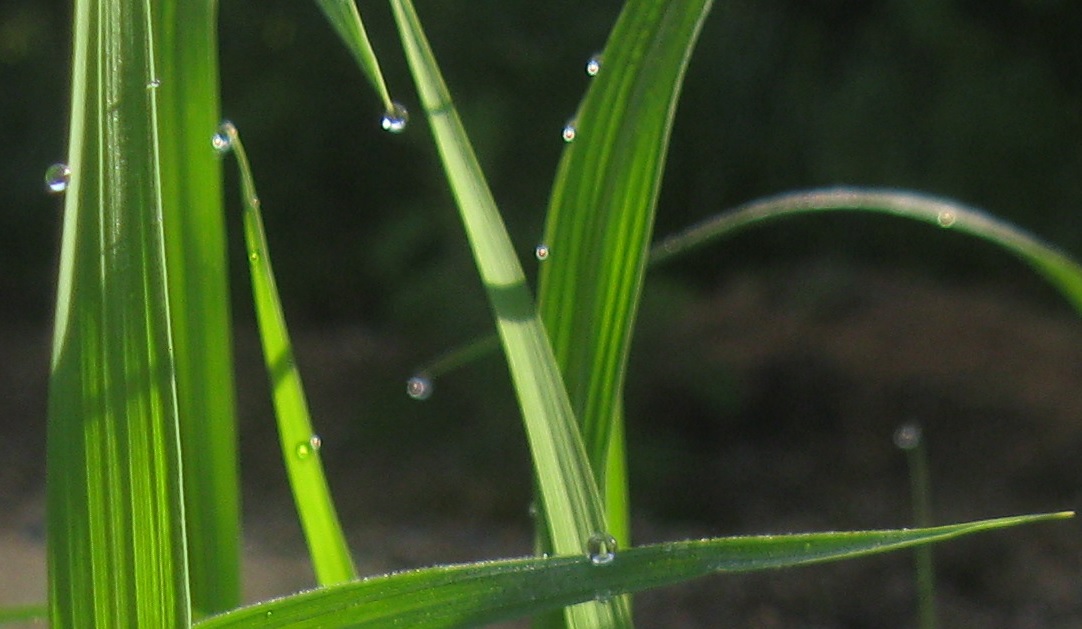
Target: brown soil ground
<point>767,406</point>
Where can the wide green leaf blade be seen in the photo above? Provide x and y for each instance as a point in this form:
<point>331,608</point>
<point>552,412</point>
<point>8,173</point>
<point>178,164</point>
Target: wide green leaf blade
<point>569,494</point>
<point>300,444</point>
<point>116,545</point>
<point>475,594</point>
<point>600,222</point>
<point>1058,268</point>
<point>186,85</point>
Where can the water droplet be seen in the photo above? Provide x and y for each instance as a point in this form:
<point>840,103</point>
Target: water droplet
<point>223,139</point>
<point>154,84</point>
<point>907,436</point>
<point>569,132</point>
<point>306,449</point>
<point>946,218</point>
<point>601,549</point>
<point>542,252</point>
<point>57,178</point>
<point>395,119</point>
<point>593,65</point>
<point>419,388</point>
<point>253,256</point>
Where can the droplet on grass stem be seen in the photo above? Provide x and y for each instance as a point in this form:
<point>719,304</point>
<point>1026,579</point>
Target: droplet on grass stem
<point>593,65</point>
<point>569,131</point>
<point>541,252</point>
<point>395,119</point>
<point>419,387</point>
<point>223,139</point>
<point>946,218</point>
<point>907,436</point>
<point>306,449</point>
<point>57,178</point>
<point>601,548</point>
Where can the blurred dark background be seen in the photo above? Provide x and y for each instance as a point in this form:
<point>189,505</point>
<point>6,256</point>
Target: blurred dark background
<point>769,369</point>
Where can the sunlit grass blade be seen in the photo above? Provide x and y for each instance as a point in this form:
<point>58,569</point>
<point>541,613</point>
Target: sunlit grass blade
<point>346,20</point>
<point>568,491</point>
<point>474,594</point>
<point>186,84</point>
<point>601,217</point>
<point>1058,268</point>
<point>115,529</point>
<point>300,444</point>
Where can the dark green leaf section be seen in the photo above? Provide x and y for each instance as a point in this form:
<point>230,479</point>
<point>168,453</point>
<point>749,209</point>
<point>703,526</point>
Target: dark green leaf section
<point>601,218</point>
<point>1058,268</point>
<point>475,594</point>
<point>186,84</point>
<point>116,550</point>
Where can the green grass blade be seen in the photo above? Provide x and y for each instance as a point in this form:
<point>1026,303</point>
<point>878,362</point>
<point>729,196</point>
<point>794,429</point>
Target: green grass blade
<point>1062,272</point>
<point>601,217</point>
<point>346,20</point>
<point>195,246</point>
<point>568,491</point>
<point>116,545</point>
<point>300,444</point>
<point>24,613</point>
<point>474,594</point>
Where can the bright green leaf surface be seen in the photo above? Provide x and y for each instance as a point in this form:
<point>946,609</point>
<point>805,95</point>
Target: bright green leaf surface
<point>186,85</point>
<point>568,492</point>
<point>116,549</point>
<point>300,444</point>
<point>1061,271</point>
<point>601,218</point>
<point>476,594</point>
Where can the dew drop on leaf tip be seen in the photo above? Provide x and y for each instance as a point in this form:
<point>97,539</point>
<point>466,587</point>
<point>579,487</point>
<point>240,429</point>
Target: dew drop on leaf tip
<point>419,388</point>
<point>57,178</point>
<point>223,139</point>
<point>601,548</point>
<point>907,436</point>
<point>395,119</point>
<point>569,132</point>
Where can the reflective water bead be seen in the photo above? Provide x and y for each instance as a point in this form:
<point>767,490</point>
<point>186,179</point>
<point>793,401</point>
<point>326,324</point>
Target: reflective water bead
<point>907,436</point>
<point>946,218</point>
<point>223,139</point>
<point>57,178</point>
<point>601,548</point>
<point>593,65</point>
<point>395,119</point>
<point>154,83</point>
<point>542,252</point>
<point>419,388</point>
<point>569,132</point>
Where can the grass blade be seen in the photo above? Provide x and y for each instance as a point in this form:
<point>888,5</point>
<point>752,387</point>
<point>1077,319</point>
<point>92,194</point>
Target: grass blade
<point>346,20</point>
<point>186,85</point>
<point>300,444</point>
<point>116,544</point>
<point>474,594</point>
<point>600,221</point>
<point>568,491</point>
<point>1055,266</point>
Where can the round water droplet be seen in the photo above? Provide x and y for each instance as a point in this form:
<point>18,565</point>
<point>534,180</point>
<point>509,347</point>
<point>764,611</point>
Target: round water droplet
<point>396,119</point>
<point>542,252</point>
<point>569,132</point>
<point>593,65</point>
<point>223,139</point>
<point>601,549</point>
<point>57,178</point>
<point>419,388</point>
<point>306,449</point>
<point>253,256</point>
<point>907,436</point>
<point>946,218</point>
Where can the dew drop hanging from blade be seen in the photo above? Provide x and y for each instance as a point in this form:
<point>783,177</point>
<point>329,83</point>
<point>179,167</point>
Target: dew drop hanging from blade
<point>419,388</point>
<point>57,178</point>
<point>395,119</point>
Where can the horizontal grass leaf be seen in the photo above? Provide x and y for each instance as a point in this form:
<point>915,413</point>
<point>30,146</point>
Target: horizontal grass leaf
<point>474,594</point>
